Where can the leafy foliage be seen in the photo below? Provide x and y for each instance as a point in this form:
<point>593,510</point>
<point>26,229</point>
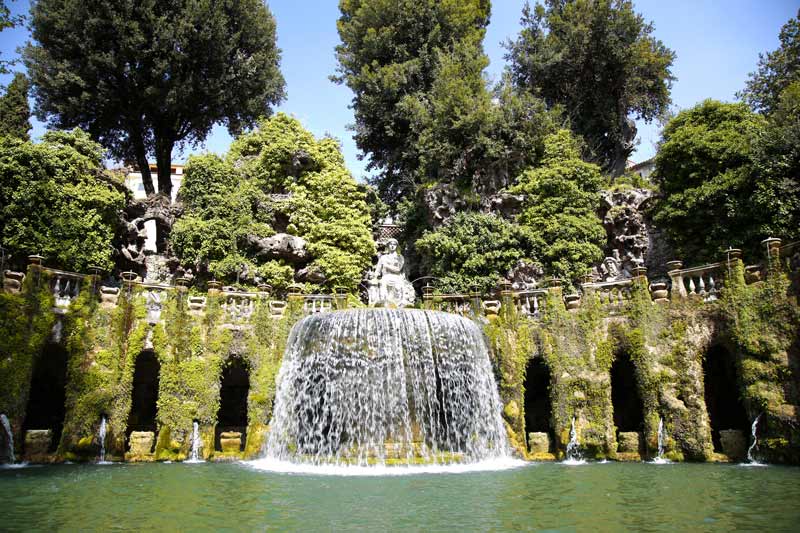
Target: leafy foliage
<point>705,172</point>
<point>776,71</point>
<point>14,112</point>
<point>390,56</point>
<point>56,200</point>
<point>144,76</point>
<point>472,250</point>
<point>560,209</point>
<point>277,178</point>
<point>599,62</point>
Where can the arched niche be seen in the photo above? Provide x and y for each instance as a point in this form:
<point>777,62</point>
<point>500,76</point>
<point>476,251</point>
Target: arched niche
<point>723,399</point>
<point>234,389</point>
<point>538,406</point>
<point>47,398</point>
<point>144,394</point>
<point>625,398</point>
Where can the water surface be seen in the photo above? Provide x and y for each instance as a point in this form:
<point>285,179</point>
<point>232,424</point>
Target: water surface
<point>551,497</point>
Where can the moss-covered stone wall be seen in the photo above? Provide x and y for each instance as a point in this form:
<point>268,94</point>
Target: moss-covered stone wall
<point>666,342</point>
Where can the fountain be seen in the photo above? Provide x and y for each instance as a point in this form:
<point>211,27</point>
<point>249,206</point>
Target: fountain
<point>750,459</point>
<point>101,435</point>
<point>194,455</point>
<point>660,459</point>
<point>574,455</point>
<point>9,451</point>
<point>385,387</point>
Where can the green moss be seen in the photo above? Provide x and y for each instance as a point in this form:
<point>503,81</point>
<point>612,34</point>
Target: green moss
<point>26,320</point>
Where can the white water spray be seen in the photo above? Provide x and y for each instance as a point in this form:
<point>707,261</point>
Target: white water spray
<point>750,459</point>
<point>574,455</point>
<point>366,388</point>
<point>101,435</point>
<point>660,459</point>
<point>9,438</point>
<point>194,456</point>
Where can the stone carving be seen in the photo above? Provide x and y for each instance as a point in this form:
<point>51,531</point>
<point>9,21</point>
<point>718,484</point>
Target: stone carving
<point>387,285</point>
<point>280,246</point>
<point>525,275</point>
<point>627,229</point>
<point>442,202</point>
<point>611,268</point>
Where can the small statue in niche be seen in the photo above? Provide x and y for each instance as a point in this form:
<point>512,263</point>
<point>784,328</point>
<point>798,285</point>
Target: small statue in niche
<point>611,269</point>
<point>387,285</point>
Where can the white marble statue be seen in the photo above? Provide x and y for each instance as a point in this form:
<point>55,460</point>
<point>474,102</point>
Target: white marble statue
<point>388,285</point>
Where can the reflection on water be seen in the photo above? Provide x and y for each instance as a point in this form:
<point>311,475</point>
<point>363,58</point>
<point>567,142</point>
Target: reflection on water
<point>596,497</point>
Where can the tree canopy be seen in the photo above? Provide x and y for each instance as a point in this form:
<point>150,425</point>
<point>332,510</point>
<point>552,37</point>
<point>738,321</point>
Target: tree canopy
<point>562,199</point>
<point>472,251</point>
<point>14,111</point>
<point>391,54</point>
<point>144,76</point>
<point>704,170</point>
<point>278,178</point>
<point>598,62</point>
<point>56,200</point>
<point>776,70</point>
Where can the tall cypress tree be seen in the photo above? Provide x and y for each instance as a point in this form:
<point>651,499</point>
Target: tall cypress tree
<point>14,111</point>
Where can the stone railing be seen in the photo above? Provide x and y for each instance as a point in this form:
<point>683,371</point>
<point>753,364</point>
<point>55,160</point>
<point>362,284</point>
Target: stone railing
<point>611,294</point>
<point>703,281</point>
<point>531,303</point>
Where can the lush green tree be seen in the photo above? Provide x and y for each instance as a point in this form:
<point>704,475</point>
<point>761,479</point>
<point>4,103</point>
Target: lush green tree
<point>472,250</point>
<point>276,178</point>
<point>776,71</point>
<point>14,111</point>
<point>562,198</point>
<point>598,61</point>
<point>144,76</point>
<point>56,200</point>
<point>391,54</point>
<point>775,200</point>
<point>704,168</point>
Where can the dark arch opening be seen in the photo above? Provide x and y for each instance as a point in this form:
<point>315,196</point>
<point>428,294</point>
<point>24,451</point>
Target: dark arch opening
<point>725,408</point>
<point>47,399</point>
<point>537,398</point>
<point>234,387</point>
<point>625,399</point>
<point>142,416</point>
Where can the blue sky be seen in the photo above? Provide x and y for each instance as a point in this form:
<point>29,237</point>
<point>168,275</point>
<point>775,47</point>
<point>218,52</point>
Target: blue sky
<point>717,44</point>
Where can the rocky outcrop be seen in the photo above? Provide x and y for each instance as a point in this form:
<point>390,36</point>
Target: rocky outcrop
<point>442,201</point>
<point>626,227</point>
<point>284,246</point>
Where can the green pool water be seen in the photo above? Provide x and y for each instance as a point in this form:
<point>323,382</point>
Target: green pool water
<point>550,497</point>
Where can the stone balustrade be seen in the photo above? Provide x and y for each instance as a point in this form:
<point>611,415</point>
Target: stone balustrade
<point>703,281</point>
<point>530,303</point>
<point>612,295</point>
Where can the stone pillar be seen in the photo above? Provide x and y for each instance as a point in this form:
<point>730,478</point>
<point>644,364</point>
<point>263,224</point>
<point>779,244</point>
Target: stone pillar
<point>674,272</point>
<point>340,297</point>
<point>427,296</point>
<point>735,267</point>
<point>507,307</point>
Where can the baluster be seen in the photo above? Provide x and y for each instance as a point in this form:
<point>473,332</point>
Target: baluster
<point>712,288</point>
<point>536,306</point>
<point>691,285</point>
<point>702,286</point>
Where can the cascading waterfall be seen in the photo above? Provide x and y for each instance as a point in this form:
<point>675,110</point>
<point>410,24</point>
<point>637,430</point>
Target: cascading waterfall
<point>574,455</point>
<point>9,438</point>
<point>101,435</point>
<point>660,459</point>
<point>386,387</point>
<point>754,444</point>
<point>194,456</point>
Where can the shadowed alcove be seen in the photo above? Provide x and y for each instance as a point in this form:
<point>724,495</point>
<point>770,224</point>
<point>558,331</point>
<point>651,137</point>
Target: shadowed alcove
<point>725,408</point>
<point>625,399</point>
<point>234,387</point>
<point>537,397</point>
<point>46,402</point>
<point>142,416</point>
